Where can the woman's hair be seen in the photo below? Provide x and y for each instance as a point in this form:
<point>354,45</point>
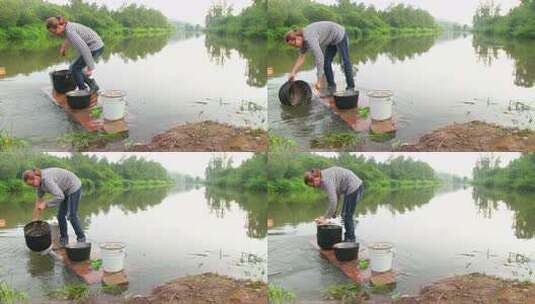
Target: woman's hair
<point>291,35</point>
<point>32,172</point>
<point>54,22</point>
<point>309,176</point>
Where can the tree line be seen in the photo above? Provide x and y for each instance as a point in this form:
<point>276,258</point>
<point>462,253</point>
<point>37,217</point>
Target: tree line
<point>283,172</point>
<point>519,174</point>
<point>24,19</point>
<point>250,22</point>
<point>286,171</point>
<point>518,22</point>
<point>95,172</point>
<point>271,19</point>
<point>250,175</point>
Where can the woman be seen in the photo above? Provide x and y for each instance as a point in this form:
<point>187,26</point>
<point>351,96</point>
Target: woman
<point>337,181</point>
<point>314,38</point>
<point>66,189</point>
<point>86,41</point>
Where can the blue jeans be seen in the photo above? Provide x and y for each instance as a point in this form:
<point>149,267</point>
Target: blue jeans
<point>350,203</point>
<point>77,67</point>
<point>330,52</point>
<point>70,206</point>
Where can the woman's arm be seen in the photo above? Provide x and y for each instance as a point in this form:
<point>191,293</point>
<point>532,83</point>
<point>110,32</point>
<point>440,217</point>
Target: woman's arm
<point>297,66</point>
<point>54,189</point>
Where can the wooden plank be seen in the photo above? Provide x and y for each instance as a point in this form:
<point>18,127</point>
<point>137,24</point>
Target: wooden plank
<point>350,269</point>
<point>352,117</point>
<point>82,269</point>
<point>83,116</point>
<point>383,278</point>
<point>117,279</point>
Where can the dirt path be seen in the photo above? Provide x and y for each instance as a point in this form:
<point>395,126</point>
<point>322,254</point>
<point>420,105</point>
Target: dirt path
<point>206,289</point>
<point>206,136</point>
<point>474,288</point>
<point>474,136</point>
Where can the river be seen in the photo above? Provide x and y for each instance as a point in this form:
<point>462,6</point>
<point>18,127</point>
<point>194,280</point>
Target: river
<point>169,233</point>
<point>436,233</point>
<point>437,80</point>
<point>170,80</point>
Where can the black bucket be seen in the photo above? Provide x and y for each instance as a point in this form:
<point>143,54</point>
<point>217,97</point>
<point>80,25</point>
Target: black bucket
<point>38,236</point>
<point>294,93</point>
<point>62,81</point>
<point>328,235</point>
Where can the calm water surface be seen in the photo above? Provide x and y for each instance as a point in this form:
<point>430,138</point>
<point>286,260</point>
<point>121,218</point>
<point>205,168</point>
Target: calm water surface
<point>169,81</point>
<point>436,81</point>
<point>436,233</point>
<point>169,233</point>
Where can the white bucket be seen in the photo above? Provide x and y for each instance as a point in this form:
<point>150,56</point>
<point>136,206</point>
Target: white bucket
<point>381,256</point>
<point>113,255</point>
<point>113,104</point>
<point>381,104</point>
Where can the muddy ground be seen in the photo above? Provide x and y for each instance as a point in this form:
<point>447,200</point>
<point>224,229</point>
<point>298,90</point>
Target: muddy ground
<point>474,288</point>
<point>474,136</point>
<point>206,136</point>
<point>206,289</point>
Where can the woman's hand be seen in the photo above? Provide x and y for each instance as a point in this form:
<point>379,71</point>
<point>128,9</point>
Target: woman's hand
<point>291,76</point>
<point>40,204</point>
<point>321,221</point>
<point>88,72</point>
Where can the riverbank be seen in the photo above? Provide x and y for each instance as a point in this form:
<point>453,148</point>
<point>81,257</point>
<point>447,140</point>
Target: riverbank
<point>206,288</point>
<point>89,186</point>
<point>34,37</point>
<point>474,288</point>
<point>297,192</point>
<point>474,136</point>
<point>206,136</point>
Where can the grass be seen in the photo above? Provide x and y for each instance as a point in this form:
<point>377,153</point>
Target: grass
<point>346,293</point>
<point>114,290</point>
<point>96,112</point>
<point>84,140</point>
<point>343,140</point>
<point>381,137</point>
<point>70,292</point>
<point>279,143</point>
<point>10,143</point>
<point>279,295</point>
<point>9,295</point>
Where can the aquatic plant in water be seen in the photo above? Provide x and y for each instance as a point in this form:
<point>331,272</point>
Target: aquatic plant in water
<point>9,295</point>
<point>346,292</point>
<point>279,295</point>
<point>342,140</point>
<point>71,292</point>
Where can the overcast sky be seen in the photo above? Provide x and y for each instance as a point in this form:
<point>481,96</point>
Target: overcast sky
<point>192,163</point>
<point>192,11</point>
<point>447,162</point>
<point>452,10</point>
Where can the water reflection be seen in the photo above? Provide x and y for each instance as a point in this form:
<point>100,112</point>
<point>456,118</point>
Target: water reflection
<point>24,62</point>
<point>365,51</point>
<point>254,51</point>
<point>221,200</point>
<point>17,209</point>
<point>488,50</point>
<point>488,201</point>
<point>398,202</point>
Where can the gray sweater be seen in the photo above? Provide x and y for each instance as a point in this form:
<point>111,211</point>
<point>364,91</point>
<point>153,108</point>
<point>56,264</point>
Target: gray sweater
<point>319,35</point>
<point>58,182</point>
<point>85,40</point>
<point>336,181</point>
